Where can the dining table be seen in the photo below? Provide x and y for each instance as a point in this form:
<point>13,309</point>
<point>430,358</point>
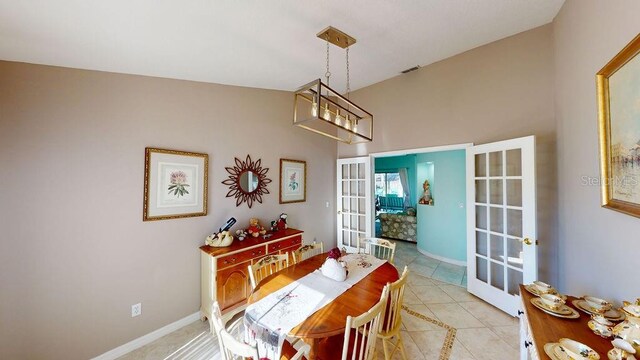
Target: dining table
<point>330,320</point>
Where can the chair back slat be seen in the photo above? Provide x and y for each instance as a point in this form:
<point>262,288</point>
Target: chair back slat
<point>364,330</point>
<point>380,248</point>
<point>307,251</point>
<point>393,314</point>
<point>266,266</point>
<point>230,347</point>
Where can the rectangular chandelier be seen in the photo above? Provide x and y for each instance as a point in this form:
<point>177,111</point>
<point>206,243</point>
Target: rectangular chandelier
<point>320,109</point>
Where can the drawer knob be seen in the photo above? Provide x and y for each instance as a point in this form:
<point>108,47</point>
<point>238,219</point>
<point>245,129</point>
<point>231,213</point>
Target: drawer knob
<point>520,312</point>
<point>527,344</point>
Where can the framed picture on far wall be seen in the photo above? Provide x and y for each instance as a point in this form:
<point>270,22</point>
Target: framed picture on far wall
<point>293,181</point>
<point>175,184</point>
<point>619,124</point>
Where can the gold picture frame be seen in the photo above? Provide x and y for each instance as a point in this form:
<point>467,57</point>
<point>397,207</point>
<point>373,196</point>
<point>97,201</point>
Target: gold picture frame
<point>293,181</point>
<point>619,134</point>
<point>175,184</point>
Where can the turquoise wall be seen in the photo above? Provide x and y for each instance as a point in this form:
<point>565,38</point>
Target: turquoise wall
<point>393,163</point>
<point>442,228</point>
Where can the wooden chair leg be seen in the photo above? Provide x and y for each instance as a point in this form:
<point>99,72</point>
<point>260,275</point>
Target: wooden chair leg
<point>401,345</point>
<point>387,356</point>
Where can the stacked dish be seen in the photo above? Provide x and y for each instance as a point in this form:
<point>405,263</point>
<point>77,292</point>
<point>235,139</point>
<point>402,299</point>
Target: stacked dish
<point>593,305</point>
<point>550,301</point>
<point>567,349</point>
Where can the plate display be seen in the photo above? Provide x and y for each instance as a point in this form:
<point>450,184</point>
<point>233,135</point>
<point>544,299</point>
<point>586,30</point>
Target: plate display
<point>614,354</point>
<point>613,314</point>
<point>552,349</point>
<point>593,326</point>
<point>564,312</point>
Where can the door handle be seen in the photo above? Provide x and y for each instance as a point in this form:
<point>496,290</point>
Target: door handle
<point>528,241</point>
<point>339,212</point>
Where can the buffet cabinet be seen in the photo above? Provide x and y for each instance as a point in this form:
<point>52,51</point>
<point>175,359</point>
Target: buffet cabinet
<point>224,270</point>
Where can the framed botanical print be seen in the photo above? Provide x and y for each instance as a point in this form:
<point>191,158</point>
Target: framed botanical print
<point>293,181</point>
<point>619,125</point>
<point>175,184</point>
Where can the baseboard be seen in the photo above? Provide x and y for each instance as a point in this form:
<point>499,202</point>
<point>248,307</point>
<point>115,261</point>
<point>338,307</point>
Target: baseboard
<point>442,258</point>
<point>145,339</point>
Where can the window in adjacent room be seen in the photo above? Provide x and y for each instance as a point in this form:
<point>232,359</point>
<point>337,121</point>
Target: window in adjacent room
<point>388,184</point>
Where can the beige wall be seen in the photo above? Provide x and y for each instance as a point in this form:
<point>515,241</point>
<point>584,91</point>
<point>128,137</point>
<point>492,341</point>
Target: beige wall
<point>75,254</point>
<point>598,251</point>
<point>495,92</point>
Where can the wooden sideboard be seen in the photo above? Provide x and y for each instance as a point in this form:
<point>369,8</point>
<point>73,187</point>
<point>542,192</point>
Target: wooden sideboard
<point>224,273</point>
<point>538,328</point>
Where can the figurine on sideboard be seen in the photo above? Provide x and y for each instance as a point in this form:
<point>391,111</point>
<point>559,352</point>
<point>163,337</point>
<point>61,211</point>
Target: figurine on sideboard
<point>255,229</point>
<point>280,224</point>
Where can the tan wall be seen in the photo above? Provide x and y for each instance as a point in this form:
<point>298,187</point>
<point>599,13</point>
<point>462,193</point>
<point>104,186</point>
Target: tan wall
<point>495,92</point>
<point>75,254</point>
<point>598,251</point>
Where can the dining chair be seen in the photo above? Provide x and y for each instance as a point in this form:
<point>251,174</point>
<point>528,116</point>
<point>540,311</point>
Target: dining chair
<point>307,251</point>
<point>392,319</point>
<point>267,266</point>
<point>360,333</point>
<point>380,248</point>
<point>231,348</point>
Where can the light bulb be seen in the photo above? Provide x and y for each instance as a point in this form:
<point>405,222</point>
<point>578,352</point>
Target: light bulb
<point>347,124</point>
<point>326,115</point>
<point>314,108</point>
<point>355,126</point>
<point>338,120</point>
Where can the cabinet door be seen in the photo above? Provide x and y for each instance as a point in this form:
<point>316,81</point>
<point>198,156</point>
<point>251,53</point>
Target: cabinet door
<point>233,286</point>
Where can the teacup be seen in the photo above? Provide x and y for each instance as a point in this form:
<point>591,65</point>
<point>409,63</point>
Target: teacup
<point>600,319</point>
<point>576,350</point>
<point>598,305</point>
<point>622,349</point>
<point>552,301</point>
<point>542,287</point>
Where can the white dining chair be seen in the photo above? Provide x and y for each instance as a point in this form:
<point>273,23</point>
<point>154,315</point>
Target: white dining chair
<point>380,248</point>
<point>231,348</point>
<point>392,319</point>
<point>307,251</point>
<point>360,334</point>
<point>267,266</point>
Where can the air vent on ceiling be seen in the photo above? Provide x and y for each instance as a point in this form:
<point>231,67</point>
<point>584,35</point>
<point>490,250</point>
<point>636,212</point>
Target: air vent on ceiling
<point>410,69</point>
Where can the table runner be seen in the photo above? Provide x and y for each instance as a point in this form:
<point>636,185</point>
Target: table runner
<point>268,321</point>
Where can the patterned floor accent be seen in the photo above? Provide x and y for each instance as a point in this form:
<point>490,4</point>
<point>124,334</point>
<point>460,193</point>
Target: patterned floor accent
<point>445,353</point>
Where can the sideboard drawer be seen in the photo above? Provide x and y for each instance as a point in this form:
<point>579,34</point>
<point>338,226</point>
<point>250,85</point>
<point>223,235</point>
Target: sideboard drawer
<point>285,244</point>
<point>230,260</point>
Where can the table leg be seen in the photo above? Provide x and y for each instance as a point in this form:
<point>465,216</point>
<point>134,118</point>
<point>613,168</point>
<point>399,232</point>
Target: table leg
<point>313,343</point>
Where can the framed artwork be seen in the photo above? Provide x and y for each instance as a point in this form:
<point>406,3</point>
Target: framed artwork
<point>293,181</point>
<point>618,86</point>
<point>175,184</point>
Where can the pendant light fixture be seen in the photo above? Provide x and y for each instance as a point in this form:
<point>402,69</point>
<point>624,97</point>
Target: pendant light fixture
<point>323,110</point>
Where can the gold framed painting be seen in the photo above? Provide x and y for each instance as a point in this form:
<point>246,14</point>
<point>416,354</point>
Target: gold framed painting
<point>293,181</point>
<point>175,184</point>
<point>618,85</point>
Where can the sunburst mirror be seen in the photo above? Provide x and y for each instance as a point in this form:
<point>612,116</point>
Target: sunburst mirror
<point>247,181</point>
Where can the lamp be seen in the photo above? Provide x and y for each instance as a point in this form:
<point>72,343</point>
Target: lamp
<point>321,109</point>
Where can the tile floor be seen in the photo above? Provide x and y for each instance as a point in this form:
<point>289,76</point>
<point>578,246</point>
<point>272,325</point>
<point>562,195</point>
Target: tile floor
<point>436,289</point>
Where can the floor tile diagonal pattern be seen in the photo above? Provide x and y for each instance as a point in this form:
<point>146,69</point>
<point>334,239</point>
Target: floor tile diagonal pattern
<point>477,330</point>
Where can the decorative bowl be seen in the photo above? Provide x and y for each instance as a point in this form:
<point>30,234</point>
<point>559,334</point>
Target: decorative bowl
<point>542,287</point>
<point>597,305</point>
<point>577,350</point>
<point>552,301</point>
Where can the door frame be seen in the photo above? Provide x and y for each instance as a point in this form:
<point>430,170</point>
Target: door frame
<point>374,155</point>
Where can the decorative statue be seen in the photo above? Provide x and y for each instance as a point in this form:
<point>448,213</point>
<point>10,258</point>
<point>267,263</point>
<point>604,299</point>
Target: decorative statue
<point>280,224</point>
<point>426,196</point>
<point>220,239</point>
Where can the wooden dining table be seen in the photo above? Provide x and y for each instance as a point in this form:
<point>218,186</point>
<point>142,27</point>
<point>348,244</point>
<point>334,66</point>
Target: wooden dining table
<point>330,320</point>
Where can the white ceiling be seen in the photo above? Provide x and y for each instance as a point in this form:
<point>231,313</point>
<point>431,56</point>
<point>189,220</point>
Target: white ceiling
<point>265,44</point>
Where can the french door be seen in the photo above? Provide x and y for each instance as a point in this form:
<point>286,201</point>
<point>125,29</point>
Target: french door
<point>501,221</point>
<point>354,201</point>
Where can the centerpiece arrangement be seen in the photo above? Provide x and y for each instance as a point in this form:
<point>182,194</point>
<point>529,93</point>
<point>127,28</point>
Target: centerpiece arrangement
<point>333,267</point>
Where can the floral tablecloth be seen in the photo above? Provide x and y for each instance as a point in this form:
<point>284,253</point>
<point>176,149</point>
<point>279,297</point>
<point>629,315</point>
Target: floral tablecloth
<point>268,321</point>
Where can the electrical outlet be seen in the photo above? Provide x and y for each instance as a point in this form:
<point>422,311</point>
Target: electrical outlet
<point>136,309</point>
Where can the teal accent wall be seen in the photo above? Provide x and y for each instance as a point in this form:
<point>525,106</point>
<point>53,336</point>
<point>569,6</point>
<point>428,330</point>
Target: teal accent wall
<point>393,163</point>
<point>442,228</point>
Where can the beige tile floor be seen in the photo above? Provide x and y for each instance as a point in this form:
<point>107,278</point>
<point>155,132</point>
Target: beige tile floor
<point>483,332</point>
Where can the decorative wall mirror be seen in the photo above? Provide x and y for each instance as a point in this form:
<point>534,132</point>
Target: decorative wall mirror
<point>247,181</point>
